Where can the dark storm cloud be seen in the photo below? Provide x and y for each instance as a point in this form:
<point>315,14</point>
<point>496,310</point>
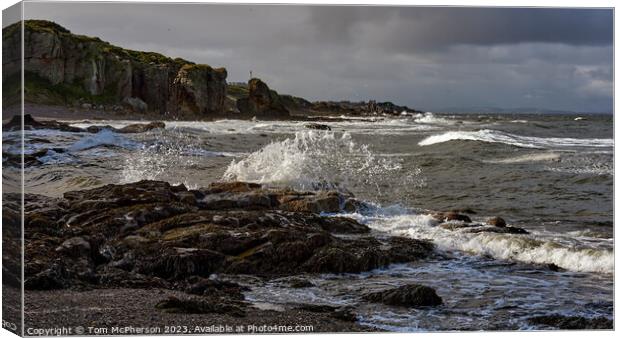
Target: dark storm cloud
<point>444,27</point>
<point>423,57</point>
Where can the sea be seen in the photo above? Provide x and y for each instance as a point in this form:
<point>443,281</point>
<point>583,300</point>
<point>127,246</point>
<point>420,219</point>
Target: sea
<point>550,174</point>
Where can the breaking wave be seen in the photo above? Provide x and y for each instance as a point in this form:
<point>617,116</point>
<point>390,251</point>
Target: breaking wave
<point>317,160</point>
<point>430,118</point>
<point>531,248</point>
<point>495,136</point>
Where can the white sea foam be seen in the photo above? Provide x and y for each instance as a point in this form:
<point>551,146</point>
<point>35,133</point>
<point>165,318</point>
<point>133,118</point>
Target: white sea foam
<point>430,118</point>
<point>354,125</point>
<point>530,248</point>
<point>316,159</point>
<point>495,136</point>
<point>595,168</point>
<point>534,157</point>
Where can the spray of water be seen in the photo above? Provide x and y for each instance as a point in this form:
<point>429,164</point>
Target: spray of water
<point>163,157</point>
<point>314,160</point>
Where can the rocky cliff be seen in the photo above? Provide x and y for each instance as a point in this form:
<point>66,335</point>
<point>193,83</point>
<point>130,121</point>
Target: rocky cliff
<point>64,68</point>
<point>261,101</point>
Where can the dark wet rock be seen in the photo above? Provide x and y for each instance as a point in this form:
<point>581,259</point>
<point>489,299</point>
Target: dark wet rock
<point>15,160</point>
<point>214,288</point>
<point>412,295</point>
<point>54,277</point>
<point>457,225</point>
<point>30,124</point>
<point>141,127</point>
<point>317,126</point>
<point>178,263</point>
<point>364,254</point>
<point>129,129</point>
<point>231,187</point>
<point>343,225</point>
<point>30,159</point>
<point>451,216</point>
<point>75,246</point>
<point>343,313</point>
<point>321,202</point>
<point>499,230</point>
<point>353,205</point>
<point>193,305</point>
<point>496,221</point>
<point>573,323</point>
<point>300,283</point>
<point>151,232</point>
<point>96,129</point>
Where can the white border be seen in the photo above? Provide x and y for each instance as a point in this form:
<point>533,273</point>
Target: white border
<point>479,3</point>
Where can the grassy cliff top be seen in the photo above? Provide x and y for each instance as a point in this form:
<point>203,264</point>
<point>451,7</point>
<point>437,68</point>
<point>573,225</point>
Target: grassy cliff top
<point>50,27</point>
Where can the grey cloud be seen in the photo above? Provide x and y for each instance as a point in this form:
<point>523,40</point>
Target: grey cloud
<point>423,57</point>
<point>423,28</point>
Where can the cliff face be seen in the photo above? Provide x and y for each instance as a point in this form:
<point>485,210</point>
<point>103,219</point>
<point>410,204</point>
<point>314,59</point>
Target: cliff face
<point>64,68</point>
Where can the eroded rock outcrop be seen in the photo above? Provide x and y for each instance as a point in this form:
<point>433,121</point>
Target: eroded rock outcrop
<point>198,89</point>
<point>261,101</point>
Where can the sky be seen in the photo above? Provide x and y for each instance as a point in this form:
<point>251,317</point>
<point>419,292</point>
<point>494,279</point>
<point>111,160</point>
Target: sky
<point>423,57</point>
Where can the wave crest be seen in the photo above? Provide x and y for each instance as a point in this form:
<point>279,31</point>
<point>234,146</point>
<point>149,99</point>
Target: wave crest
<point>533,248</point>
<point>495,136</point>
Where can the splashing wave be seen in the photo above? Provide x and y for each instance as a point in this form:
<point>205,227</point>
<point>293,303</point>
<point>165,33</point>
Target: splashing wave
<point>315,159</point>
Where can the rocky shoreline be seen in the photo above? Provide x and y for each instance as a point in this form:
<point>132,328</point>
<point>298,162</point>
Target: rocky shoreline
<point>151,254</point>
<point>152,236</point>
